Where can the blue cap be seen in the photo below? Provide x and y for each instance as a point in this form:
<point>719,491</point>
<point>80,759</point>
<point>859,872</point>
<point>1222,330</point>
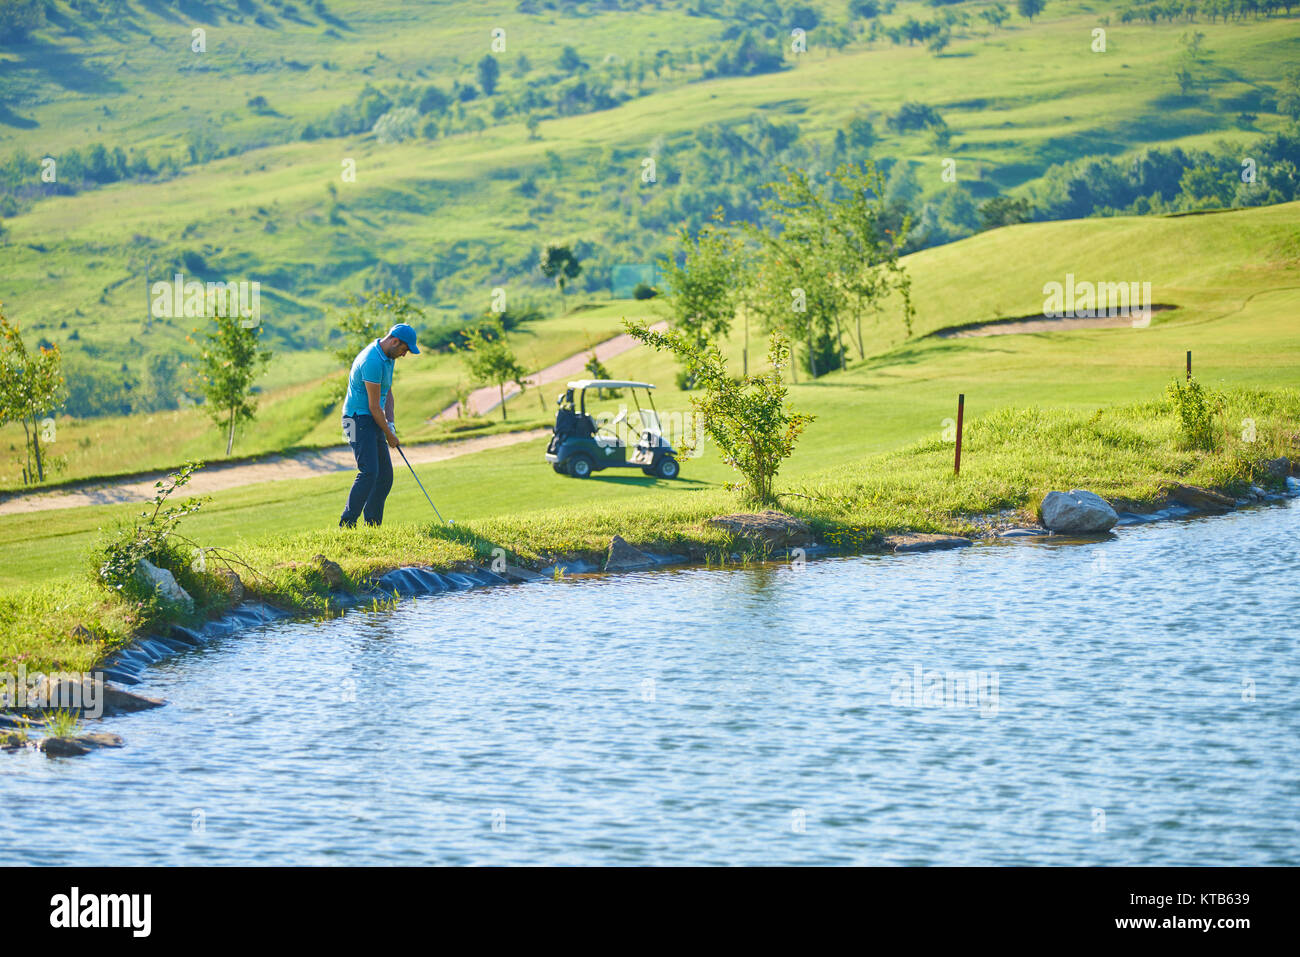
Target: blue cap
<point>406,334</point>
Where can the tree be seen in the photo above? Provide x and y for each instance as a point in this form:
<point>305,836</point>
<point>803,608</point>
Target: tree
<point>569,60</point>
<point>995,15</point>
<point>596,369</point>
<point>31,386</point>
<point>18,18</point>
<point>367,318</point>
<point>797,292</point>
<point>490,361</point>
<point>229,365</point>
<point>703,292</point>
<point>1288,97</point>
<point>749,421</point>
<point>865,248</point>
<point>1004,211</point>
<point>397,125</point>
<point>488,72</point>
<point>866,9</point>
<point>1030,8</point>
<point>433,100</point>
<point>861,133</point>
<point>560,263</point>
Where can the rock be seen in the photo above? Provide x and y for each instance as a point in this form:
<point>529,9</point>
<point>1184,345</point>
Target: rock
<point>924,542</point>
<point>776,530</point>
<point>185,636</point>
<point>515,573</point>
<point>623,557</point>
<point>164,583</point>
<point>62,693</point>
<point>233,583</point>
<point>1278,468</point>
<point>77,745</point>
<point>332,572</point>
<point>1077,512</point>
<point>1201,499</point>
<point>1021,531</point>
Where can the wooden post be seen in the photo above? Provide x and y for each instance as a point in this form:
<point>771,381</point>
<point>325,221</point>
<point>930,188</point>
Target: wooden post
<point>1189,365</point>
<point>961,408</point>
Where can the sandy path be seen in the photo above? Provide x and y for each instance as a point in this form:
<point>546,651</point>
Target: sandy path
<point>215,478</point>
<point>484,400</point>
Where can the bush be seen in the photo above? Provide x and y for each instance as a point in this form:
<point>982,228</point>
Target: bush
<point>749,421</point>
<point>154,540</point>
<point>1196,408</point>
<point>644,291</point>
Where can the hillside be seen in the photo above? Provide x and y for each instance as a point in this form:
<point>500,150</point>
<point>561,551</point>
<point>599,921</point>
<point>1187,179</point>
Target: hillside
<point>231,157</point>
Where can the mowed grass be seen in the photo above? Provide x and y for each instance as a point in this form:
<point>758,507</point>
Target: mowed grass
<point>1241,336</point>
<point>306,415</point>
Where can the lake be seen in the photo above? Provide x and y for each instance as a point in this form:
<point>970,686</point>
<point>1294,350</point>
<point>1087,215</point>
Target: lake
<point>1126,701</point>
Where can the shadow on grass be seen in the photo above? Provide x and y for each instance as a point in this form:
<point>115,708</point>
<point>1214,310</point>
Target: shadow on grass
<point>9,118</point>
<point>645,481</point>
<point>60,68</point>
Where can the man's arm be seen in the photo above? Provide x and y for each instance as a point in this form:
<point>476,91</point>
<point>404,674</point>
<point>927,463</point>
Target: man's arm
<point>390,406</point>
<point>376,413</point>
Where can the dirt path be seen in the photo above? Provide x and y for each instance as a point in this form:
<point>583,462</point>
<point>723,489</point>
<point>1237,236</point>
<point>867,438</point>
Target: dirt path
<point>215,478</point>
<point>484,400</point>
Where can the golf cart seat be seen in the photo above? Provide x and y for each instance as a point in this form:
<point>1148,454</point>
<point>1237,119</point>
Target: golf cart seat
<point>569,422</point>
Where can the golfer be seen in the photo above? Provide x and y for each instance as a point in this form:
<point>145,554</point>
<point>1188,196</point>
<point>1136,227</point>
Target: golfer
<point>368,416</point>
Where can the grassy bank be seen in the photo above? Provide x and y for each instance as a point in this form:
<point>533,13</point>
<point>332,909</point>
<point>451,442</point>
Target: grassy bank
<point>1130,454</point>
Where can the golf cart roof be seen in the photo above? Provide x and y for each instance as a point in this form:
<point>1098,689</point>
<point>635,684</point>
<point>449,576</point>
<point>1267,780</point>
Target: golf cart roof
<point>608,384</point>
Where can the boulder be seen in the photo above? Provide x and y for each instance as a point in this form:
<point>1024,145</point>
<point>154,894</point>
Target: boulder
<point>1278,468</point>
<point>76,745</point>
<point>164,583</point>
<point>233,583</point>
<point>774,529</point>
<point>1077,512</point>
<point>623,557</point>
<point>51,692</point>
<point>924,542</point>
<point>1201,499</point>
<point>332,572</point>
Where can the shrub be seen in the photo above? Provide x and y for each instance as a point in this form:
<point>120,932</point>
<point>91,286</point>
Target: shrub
<point>749,421</point>
<point>155,540</point>
<point>1195,407</point>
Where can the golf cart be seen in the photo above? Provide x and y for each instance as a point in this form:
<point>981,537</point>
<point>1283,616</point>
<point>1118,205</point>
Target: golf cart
<point>580,446</point>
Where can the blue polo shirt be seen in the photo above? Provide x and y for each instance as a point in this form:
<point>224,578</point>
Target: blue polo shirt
<point>370,365</point>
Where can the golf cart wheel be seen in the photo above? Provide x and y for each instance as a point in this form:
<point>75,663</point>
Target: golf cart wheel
<point>580,467</point>
<point>667,468</point>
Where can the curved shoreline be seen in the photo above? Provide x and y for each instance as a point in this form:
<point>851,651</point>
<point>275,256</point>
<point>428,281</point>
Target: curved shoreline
<point>127,665</point>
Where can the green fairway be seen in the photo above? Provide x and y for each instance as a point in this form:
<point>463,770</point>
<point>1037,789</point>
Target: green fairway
<point>1240,335</point>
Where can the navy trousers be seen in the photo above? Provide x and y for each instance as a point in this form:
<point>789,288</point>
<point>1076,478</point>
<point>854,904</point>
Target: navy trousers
<point>374,471</point>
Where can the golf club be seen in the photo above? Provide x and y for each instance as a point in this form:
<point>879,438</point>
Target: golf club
<point>421,484</point>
